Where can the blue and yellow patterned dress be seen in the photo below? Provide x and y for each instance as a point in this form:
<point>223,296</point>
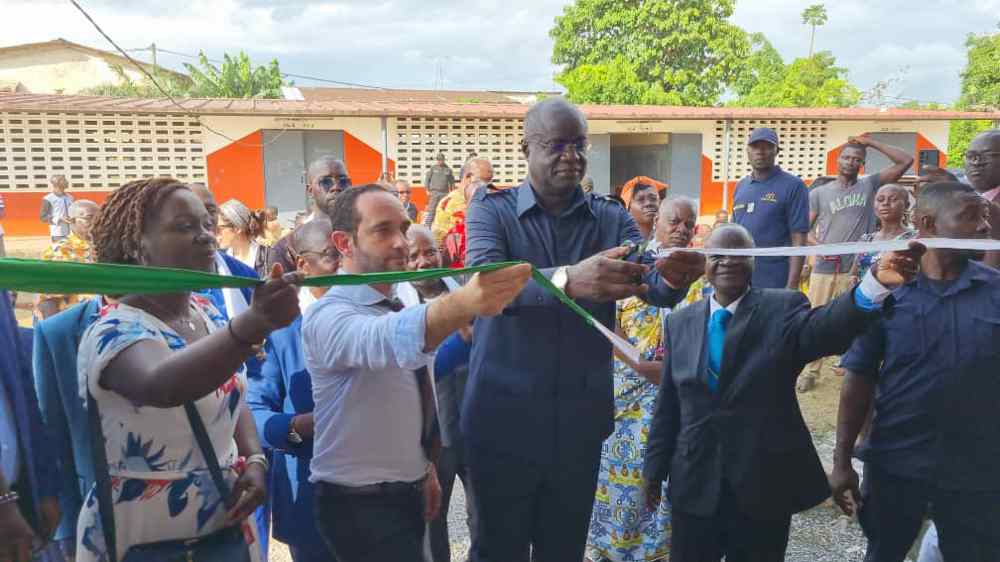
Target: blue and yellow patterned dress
<point>622,528</point>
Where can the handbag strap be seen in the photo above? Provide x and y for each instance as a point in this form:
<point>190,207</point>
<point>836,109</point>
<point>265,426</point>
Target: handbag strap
<point>207,451</point>
<point>102,474</point>
<point>102,479</point>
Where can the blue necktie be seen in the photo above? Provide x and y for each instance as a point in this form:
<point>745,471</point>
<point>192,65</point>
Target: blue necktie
<point>716,340</point>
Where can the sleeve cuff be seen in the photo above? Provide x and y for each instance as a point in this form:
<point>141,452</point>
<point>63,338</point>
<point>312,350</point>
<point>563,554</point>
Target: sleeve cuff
<point>276,431</point>
<point>411,328</point>
<point>870,294</point>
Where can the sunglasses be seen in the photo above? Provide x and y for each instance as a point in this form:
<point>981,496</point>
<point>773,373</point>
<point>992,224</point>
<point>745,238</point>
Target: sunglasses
<point>328,182</point>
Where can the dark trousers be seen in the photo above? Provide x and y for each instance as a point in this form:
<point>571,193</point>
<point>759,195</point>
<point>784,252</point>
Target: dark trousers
<point>311,553</point>
<point>362,527</point>
<point>894,508</point>
<point>730,533</point>
<point>523,507</point>
<point>450,464</point>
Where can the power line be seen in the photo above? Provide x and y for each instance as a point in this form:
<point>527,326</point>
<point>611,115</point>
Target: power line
<point>163,91</point>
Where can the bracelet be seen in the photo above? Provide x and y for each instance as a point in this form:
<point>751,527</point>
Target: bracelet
<point>239,340</point>
<point>9,497</point>
<point>260,459</point>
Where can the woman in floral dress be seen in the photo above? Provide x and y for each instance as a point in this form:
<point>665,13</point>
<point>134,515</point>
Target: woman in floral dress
<point>148,355</point>
<point>622,528</point>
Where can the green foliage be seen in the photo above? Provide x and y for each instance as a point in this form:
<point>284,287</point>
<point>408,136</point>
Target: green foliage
<point>814,16</point>
<point>686,49</point>
<point>980,91</point>
<point>808,82</point>
<point>126,87</point>
<point>236,79</point>
<point>613,83</point>
<point>764,65</point>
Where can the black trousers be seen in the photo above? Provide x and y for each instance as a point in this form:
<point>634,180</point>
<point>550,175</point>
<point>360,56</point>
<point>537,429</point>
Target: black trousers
<point>450,464</point>
<point>730,533</point>
<point>386,525</point>
<point>894,508</point>
<point>523,507</point>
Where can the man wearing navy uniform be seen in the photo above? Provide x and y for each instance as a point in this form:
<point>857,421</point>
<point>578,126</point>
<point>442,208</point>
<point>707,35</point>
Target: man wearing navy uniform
<point>774,206</point>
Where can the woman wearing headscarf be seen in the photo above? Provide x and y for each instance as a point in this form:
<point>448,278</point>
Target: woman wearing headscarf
<point>239,233</point>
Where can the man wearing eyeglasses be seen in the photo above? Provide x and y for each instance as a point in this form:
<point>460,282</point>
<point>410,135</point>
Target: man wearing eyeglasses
<point>982,167</point>
<point>326,178</point>
<point>538,404</point>
<point>403,192</point>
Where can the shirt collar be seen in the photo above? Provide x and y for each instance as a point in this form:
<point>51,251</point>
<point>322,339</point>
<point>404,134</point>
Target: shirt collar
<point>714,304</point>
<point>992,194</point>
<point>306,298</point>
<point>526,201</point>
<point>974,272</point>
<point>364,295</point>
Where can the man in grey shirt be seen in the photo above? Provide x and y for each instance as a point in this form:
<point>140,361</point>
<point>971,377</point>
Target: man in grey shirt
<point>842,211</point>
<point>439,181</point>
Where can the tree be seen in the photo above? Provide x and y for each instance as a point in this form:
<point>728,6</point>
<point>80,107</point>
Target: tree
<point>764,65</point>
<point>237,78</point>
<point>980,91</point>
<point>808,82</point>
<point>686,48</point>
<point>613,83</point>
<point>144,88</point>
<point>815,16</point>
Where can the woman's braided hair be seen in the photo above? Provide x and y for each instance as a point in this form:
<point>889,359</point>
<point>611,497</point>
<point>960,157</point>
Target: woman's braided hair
<point>117,230</point>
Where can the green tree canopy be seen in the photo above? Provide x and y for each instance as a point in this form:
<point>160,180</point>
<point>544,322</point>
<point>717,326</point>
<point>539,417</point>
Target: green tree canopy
<point>615,82</point>
<point>238,78</point>
<point>815,81</point>
<point>980,90</point>
<point>687,49</point>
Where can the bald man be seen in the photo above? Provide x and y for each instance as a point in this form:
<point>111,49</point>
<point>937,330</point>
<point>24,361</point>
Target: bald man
<point>982,167</point>
<point>451,209</point>
<point>326,178</point>
<point>282,406</point>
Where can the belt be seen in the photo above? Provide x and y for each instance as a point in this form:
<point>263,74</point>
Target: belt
<point>380,489</point>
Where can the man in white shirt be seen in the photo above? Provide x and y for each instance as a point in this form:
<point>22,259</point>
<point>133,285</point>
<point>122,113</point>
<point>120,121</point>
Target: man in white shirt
<point>373,454</point>
<point>55,208</point>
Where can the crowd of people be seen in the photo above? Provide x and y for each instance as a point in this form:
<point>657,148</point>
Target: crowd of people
<point>336,420</point>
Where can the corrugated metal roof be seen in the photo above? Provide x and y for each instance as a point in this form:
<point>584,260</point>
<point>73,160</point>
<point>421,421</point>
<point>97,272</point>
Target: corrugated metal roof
<point>409,96</point>
<point>363,108</point>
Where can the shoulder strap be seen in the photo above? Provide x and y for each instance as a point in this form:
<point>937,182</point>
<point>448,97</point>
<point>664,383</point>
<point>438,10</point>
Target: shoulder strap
<point>102,479</point>
<point>207,450</point>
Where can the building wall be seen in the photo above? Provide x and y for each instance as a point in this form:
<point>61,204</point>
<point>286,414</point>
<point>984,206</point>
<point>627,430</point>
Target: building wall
<point>49,70</point>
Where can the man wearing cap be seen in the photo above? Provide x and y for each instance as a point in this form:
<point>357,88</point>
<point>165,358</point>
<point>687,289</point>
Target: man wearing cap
<point>774,206</point>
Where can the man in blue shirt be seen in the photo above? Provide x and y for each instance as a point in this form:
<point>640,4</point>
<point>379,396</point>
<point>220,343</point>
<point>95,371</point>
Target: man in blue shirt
<point>774,206</point>
<point>538,402</point>
<point>933,446</point>
<point>282,405</point>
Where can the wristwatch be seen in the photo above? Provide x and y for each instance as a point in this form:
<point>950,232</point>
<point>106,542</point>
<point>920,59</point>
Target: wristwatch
<point>561,278</point>
<point>293,436</point>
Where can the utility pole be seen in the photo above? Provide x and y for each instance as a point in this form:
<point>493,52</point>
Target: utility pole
<point>152,47</point>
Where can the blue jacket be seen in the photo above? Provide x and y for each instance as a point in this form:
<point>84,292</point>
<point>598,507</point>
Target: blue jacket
<point>54,359</point>
<point>238,268</point>
<point>283,390</point>
<point>40,467</point>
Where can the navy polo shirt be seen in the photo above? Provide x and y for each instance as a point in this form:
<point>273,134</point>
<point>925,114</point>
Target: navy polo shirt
<point>935,356</point>
<point>772,209</point>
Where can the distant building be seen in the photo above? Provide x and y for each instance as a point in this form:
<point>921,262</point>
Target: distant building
<point>257,149</point>
<point>63,67</point>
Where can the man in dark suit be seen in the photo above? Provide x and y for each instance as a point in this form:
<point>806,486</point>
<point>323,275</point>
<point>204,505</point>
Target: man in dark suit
<point>727,430</point>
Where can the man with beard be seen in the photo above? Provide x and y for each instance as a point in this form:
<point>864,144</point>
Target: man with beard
<point>375,443</point>
<point>982,167</point>
<point>774,206</point>
<point>326,178</point>
<point>931,368</point>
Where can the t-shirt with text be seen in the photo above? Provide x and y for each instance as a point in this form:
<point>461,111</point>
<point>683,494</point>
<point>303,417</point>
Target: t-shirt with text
<point>843,214</point>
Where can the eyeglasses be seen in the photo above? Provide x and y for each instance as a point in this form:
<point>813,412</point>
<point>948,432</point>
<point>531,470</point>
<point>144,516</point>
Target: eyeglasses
<point>715,258</point>
<point>980,157</point>
<point>328,182</point>
<point>581,146</point>
<point>329,254</point>
<point>403,192</point>
<point>225,225</point>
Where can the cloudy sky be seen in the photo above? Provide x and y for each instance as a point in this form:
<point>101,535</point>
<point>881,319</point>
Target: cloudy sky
<point>495,44</point>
